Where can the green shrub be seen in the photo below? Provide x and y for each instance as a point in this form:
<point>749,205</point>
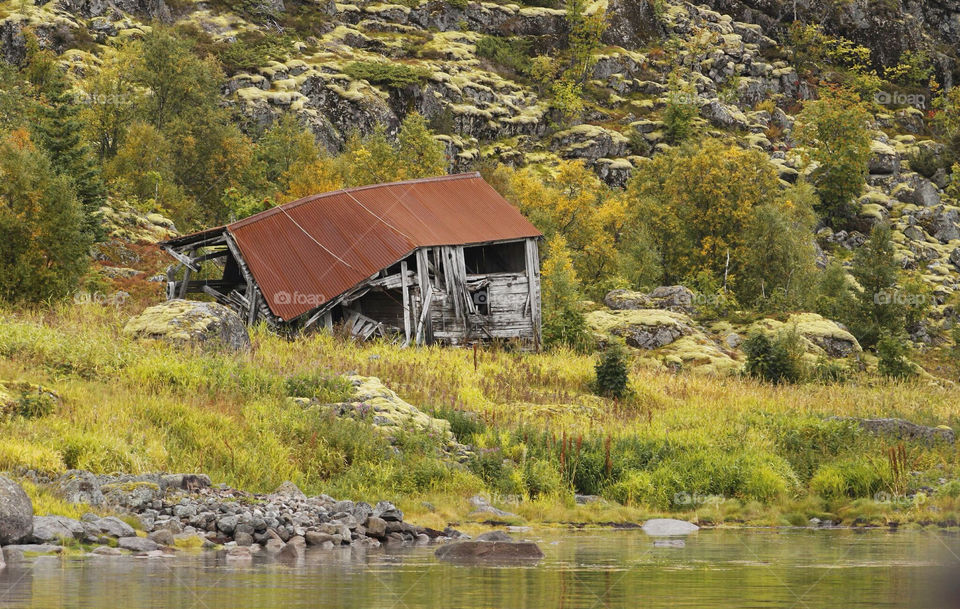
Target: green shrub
<point>512,52</point>
<point>611,371</point>
<point>541,478</point>
<point>389,74</point>
<point>892,352</point>
<point>636,487</point>
<point>852,478</point>
<point>808,442</point>
<point>774,361</point>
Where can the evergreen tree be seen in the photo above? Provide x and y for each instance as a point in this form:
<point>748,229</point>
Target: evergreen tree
<point>879,311</point>
<point>60,132</point>
<point>612,377</point>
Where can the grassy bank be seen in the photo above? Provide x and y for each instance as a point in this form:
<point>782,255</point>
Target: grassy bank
<point>717,449</point>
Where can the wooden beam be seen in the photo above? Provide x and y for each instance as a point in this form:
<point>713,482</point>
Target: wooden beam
<point>424,315</point>
<point>533,288</point>
<point>405,289</point>
<point>211,255</point>
<point>188,266</point>
<point>423,282</point>
<point>185,260</point>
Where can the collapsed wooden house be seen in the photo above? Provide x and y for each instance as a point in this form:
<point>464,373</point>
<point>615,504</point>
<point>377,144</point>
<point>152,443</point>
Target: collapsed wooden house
<point>433,260</point>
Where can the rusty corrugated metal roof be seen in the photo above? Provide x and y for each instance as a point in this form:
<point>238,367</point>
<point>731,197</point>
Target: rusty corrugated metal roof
<point>308,252</point>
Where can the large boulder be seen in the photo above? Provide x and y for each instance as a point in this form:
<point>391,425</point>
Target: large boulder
<point>16,513</point>
<point>668,527</point>
<point>490,551</point>
<point>884,158</point>
<point>78,486</point>
<point>627,300</point>
<point>54,529</point>
<point>641,328</point>
<point>208,324</point>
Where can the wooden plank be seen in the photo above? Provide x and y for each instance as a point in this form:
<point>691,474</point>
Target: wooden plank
<point>424,315</point>
<point>426,294</point>
<point>185,260</point>
<point>405,289</point>
<point>533,285</point>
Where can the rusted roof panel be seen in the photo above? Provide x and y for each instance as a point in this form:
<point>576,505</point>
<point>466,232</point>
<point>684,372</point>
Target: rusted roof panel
<point>307,252</point>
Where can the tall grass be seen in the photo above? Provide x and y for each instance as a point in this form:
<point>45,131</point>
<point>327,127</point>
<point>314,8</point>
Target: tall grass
<point>538,431</point>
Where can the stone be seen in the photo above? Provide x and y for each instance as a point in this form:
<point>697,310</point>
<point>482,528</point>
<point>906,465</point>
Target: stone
<point>78,486</point>
<point>722,115</point>
<point>490,552</point>
<point>315,538</point>
<point>243,539</point>
<point>626,300</point>
<point>48,529</point>
<point>906,430</point>
<point>387,511</point>
<point>642,328</point>
<point>273,545</point>
<point>290,552</point>
<point>137,544</point>
<point>208,324</point>
<point>884,159</point>
<point>376,527</point>
<point>114,527</point>
<point>16,513</point>
<point>493,536</point>
<point>481,505</point>
<point>288,490</point>
<point>955,258</point>
<point>106,551</point>
<point>227,524</point>
<point>669,543</point>
<point>676,298</point>
<point>163,537</point>
<point>239,553</point>
<point>668,527</point>
<point>17,551</point>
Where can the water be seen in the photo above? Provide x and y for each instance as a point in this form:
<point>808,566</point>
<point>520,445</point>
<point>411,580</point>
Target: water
<point>593,569</point>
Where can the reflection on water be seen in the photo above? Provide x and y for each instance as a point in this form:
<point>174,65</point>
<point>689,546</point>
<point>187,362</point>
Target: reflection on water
<point>735,569</point>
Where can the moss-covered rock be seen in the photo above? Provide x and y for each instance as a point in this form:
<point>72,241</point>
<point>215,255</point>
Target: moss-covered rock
<point>641,328</point>
<point>207,324</point>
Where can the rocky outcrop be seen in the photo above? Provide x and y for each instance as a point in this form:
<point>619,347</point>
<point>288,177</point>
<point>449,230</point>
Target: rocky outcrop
<point>389,413</point>
<point>16,513</point>
<point>187,322</point>
<point>185,509</point>
<point>641,328</point>
<point>886,28</point>
<point>123,222</point>
<point>675,298</point>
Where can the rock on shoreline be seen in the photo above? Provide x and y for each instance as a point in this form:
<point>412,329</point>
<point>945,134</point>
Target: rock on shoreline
<point>187,510</point>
